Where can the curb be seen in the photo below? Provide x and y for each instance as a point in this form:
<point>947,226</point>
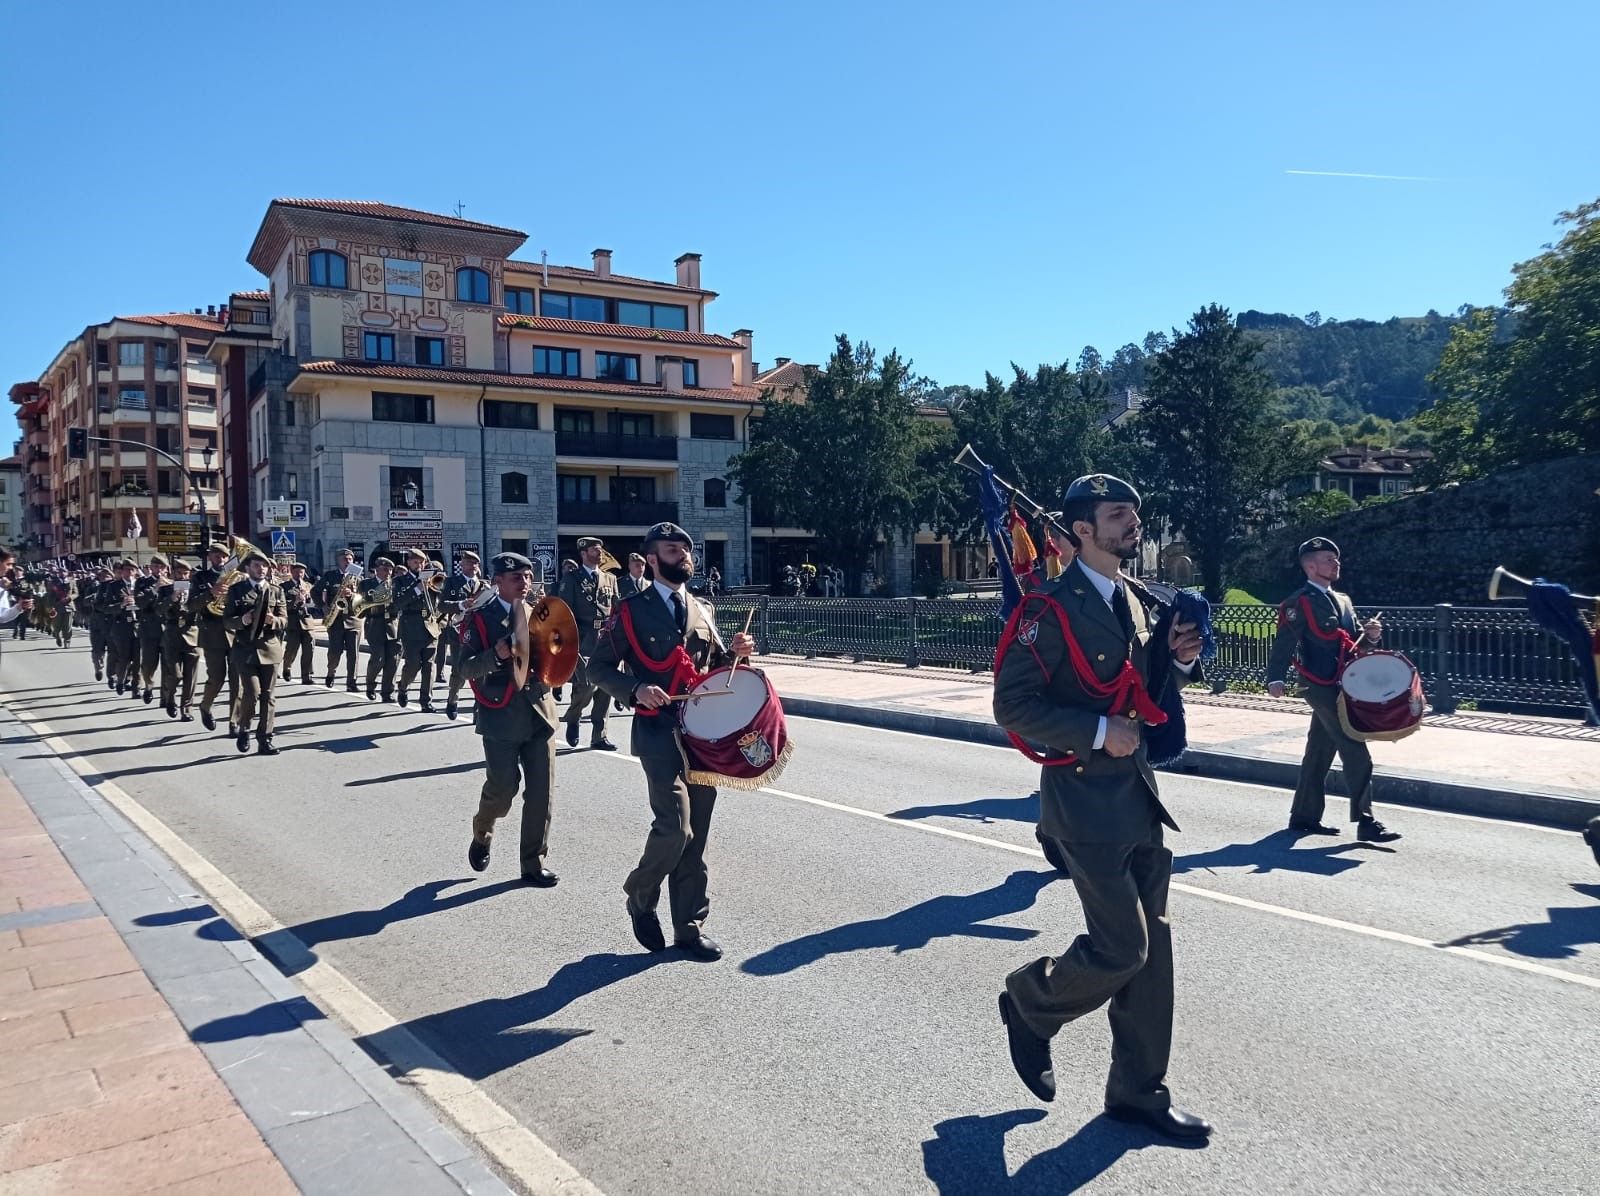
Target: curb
<point>1548,809</point>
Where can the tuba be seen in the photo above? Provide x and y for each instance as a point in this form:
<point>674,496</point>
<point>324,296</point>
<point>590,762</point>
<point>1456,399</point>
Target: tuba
<point>240,551</point>
<point>380,595</point>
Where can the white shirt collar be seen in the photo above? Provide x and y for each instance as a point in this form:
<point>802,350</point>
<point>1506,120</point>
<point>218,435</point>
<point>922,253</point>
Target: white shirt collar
<point>1105,586</point>
<point>1318,585</point>
<point>667,592</point>
<point>504,605</point>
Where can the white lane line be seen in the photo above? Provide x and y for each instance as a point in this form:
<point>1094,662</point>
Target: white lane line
<point>1209,780</point>
<point>1376,932</point>
<point>476,1115</point>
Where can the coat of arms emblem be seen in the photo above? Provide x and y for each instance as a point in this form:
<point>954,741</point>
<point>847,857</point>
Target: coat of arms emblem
<point>753,746</point>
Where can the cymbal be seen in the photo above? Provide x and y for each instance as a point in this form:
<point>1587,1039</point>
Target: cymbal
<point>553,640</point>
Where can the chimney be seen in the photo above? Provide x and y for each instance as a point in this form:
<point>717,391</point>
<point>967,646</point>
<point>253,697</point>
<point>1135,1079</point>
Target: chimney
<point>689,270</point>
<point>782,361</point>
<point>744,370</point>
<point>602,263</point>
<point>222,313</point>
<point>672,376</point>
<point>211,310</point>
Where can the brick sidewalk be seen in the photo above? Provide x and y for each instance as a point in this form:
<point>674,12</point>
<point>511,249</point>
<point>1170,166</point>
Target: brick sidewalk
<point>101,1089</point>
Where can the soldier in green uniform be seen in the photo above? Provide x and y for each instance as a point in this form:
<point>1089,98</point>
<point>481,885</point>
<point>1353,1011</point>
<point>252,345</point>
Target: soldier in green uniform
<point>638,670</point>
<point>1099,804</point>
<point>343,637</point>
<point>99,627</point>
<point>216,644</point>
<point>517,727</point>
<point>64,592</point>
<point>418,607</point>
<point>459,591</point>
<point>147,603</point>
<point>297,635</point>
<point>591,592</point>
<point>381,626</point>
<point>256,615</point>
<point>116,601</point>
<point>1316,632</point>
<point>180,646</point>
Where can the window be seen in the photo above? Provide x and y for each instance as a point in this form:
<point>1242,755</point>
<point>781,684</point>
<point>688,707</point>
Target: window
<point>399,476</point>
<point>519,300</point>
<point>556,363</point>
<point>691,370</point>
<point>514,487</point>
<point>516,544</point>
<point>291,484</point>
<point>289,406</point>
<point>102,354</point>
<point>652,315</point>
<point>102,395</point>
<point>163,397</point>
<point>716,492</point>
<point>502,413</point>
<point>618,367</point>
<point>164,439</point>
<point>377,346</point>
<point>402,409</point>
<point>328,269</point>
<point>633,489</point>
<point>130,353</point>
<point>472,285</point>
<point>163,354</point>
<point>710,427</point>
<point>572,307</point>
<point>166,482</point>
<point>569,420</point>
<point>575,488</point>
<point>196,353</point>
<point>430,350</point>
<point>202,396</point>
<point>632,423</point>
<point>106,526</point>
<point>132,396</point>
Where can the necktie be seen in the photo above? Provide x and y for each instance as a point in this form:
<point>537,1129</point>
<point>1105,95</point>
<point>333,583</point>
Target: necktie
<point>680,612</point>
<point>1119,604</point>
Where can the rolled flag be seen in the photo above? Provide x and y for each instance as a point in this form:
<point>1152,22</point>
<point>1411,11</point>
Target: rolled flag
<point>135,528</point>
<point>996,523</point>
<point>1165,743</point>
<point>1552,608</point>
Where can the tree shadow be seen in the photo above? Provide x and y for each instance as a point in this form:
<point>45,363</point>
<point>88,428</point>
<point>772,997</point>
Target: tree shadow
<point>967,1155</point>
<point>1274,853</point>
<point>983,809</point>
<point>292,948</point>
<point>358,743</point>
<point>444,771</point>
<point>104,751</point>
<point>915,927</point>
<point>1558,937</point>
<point>496,1033</point>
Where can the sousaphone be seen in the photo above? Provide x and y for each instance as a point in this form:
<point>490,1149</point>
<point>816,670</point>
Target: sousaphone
<point>544,641</point>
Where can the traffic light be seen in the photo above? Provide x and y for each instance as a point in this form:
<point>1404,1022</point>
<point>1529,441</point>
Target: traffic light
<point>77,444</point>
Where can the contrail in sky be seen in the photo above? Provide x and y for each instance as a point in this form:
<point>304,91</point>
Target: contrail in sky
<point>1351,174</point>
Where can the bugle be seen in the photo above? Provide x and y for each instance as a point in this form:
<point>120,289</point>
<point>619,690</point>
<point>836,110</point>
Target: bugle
<point>1498,581</point>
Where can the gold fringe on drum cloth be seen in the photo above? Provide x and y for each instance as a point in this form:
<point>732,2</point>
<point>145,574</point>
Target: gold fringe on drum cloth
<point>717,781</point>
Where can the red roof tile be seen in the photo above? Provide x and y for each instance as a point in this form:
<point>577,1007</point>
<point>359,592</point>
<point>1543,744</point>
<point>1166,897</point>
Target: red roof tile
<point>386,211</point>
<point>585,274</point>
<point>179,319</point>
<point>667,336</point>
<point>790,373</point>
<point>594,386</point>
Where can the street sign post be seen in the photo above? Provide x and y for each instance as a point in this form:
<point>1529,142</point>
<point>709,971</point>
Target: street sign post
<point>178,532</point>
<point>286,512</point>
<point>422,529</point>
<point>282,542</point>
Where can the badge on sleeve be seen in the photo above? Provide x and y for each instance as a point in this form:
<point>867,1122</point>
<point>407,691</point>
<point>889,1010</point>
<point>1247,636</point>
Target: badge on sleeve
<point>1027,633</point>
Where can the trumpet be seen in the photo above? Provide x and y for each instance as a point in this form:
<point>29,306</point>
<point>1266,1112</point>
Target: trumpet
<point>240,552</point>
<point>1502,575</point>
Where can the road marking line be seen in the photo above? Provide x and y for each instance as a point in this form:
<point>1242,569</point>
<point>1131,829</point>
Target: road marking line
<point>477,1116</point>
<point>1393,936</point>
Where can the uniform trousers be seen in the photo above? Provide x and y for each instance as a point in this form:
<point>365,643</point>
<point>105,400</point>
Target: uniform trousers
<point>63,627</point>
<point>179,662</point>
<point>586,693</point>
<point>297,643</point>
<point>1325,739</point>
<point>532,762</point>
<point>383,657</point>
<point>1124,958</point>
<point>149,654</point>
<point>675,850</point>
<point>214,647</point>
<point>447,649</point>
<point>343,643</point>
<point>97,643</point>
<point>418,655</point>
<point>456,679</point>
<point>122,652</point>
<point>257,682</point>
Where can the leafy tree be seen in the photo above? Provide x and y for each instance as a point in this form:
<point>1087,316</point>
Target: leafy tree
<point>1524,385</point>
<point>1320,505</point>
<point>1213,443</point>
<point>843,461</point>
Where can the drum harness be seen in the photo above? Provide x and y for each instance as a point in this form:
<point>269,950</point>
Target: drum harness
<point>1348,647</point>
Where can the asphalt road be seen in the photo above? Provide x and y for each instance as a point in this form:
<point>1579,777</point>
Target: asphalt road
<point>849,1042</point>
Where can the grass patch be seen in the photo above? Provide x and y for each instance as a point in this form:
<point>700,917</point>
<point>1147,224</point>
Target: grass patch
<point>1241,598</point>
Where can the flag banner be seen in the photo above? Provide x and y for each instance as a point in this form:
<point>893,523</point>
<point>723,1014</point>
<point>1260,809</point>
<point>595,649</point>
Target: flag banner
<point>1551,606</point>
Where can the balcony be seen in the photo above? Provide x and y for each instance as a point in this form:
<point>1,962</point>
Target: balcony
<point>615,514</point>
<point>613,444</point>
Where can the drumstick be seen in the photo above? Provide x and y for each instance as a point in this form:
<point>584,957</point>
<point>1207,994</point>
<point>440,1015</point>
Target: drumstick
<point>689,697</point>
<point>736,659</point>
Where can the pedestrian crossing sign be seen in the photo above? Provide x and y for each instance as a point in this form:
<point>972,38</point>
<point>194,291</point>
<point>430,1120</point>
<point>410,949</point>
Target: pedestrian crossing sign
<point>282,541</point>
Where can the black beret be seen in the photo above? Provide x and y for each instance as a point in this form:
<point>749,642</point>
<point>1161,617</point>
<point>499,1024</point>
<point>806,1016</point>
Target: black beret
<point>590,542</point>
<point>1318,544</point>
<point>1101,487</point>
<point>669,532</point>
<point>509,562</point>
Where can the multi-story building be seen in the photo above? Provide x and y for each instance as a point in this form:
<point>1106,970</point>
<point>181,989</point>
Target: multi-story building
<point>132,381</point>
<point>11,501</point>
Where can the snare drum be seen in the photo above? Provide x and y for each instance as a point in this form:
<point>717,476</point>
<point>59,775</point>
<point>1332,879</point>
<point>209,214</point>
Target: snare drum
<point>734,735</point>
<point>1380,697</point>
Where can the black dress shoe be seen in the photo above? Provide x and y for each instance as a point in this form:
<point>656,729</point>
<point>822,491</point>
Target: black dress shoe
<point>265,748</point>
<point>402,697</point>
<point>97,673</point>
<point>1312,828</point>
<point>149,696</point>
<point>387,697</point>
<point>450,710</point>
<point>1170,1123</point>
<point>352,687</point>
<point>328,683</point>
<point>206,721</point>
<point>601,744</point>
<point>185,717</point>
<point>233,730</point>
<point>646,928</point>
<point>1370,830</point>
<point>556,693</point>
<point>172,710</point>
<point>699,947</point>
<point>242,741</point>
<point>478,855</point>
<point>425,707</point>
<point>572,734</point>
<point>542,879</point>
<point>286,676</point>
<point>1030,1054</point>
<point>372,695</point>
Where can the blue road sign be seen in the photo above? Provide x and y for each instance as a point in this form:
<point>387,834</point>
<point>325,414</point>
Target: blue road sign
<point>282,540</point>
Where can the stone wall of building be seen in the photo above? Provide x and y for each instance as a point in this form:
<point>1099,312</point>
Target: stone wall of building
<point>1442,546</point>
<point>698,461</point>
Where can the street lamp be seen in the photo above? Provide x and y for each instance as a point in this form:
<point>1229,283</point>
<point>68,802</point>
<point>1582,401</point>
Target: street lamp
<point>410,491</point>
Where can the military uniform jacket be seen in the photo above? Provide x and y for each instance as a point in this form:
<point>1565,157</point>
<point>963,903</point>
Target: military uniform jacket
<point>326,592</point>
<point>459,589</point>
<point>264,643</point>
<point>200,583</point>
<point>1097,798</point>
<point>502,712</point>
<point>147,604</point>
<point>592,600</point>
<point>656,630</point>
<point>382,622</point>
<point>297,601</point>
<point>65,593</point>
<point>1295,641</point>
<point>111,603</point>
<point>179,625</point>
<point>419,616</point>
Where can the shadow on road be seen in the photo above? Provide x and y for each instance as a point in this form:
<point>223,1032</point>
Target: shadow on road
<point>1558,937</point>
<point>489,1036</point>
<point>281,1017</point>
<point>443,771</point>
<point>915,927</point>
<point>967,1155</point>
<point>982,809</point>
<point>1274,853</point>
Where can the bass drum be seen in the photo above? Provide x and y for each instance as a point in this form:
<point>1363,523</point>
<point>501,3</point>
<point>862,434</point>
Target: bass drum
<point>1380,697</point>
<point>734,732</point>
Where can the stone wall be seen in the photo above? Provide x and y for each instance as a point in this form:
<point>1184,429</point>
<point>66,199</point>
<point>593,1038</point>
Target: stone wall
<point>1442,546</point>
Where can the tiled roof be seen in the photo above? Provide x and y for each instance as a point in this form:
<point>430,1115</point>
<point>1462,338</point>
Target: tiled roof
<point>260,296</point>
<point>386,211</point>
<point>585,274</point>
<point>593,386</point>
<point>179,319</point>
<point>790,373</point>
<point>1361,459</point>
<point>628,332</point>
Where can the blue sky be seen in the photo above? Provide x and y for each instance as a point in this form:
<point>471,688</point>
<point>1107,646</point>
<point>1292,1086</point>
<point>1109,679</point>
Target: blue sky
<point>973,184</point>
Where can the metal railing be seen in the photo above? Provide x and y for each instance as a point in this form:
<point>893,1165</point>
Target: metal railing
<point>616,444</point>
<point>615,513</point>
<point>1494,655</point>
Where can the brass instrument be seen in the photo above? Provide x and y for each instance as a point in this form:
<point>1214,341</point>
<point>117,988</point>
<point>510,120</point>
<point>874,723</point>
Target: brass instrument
<point>380,595</point>
<point>343,601</point>
<point>1502,575</point>
<point>240,552</point>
